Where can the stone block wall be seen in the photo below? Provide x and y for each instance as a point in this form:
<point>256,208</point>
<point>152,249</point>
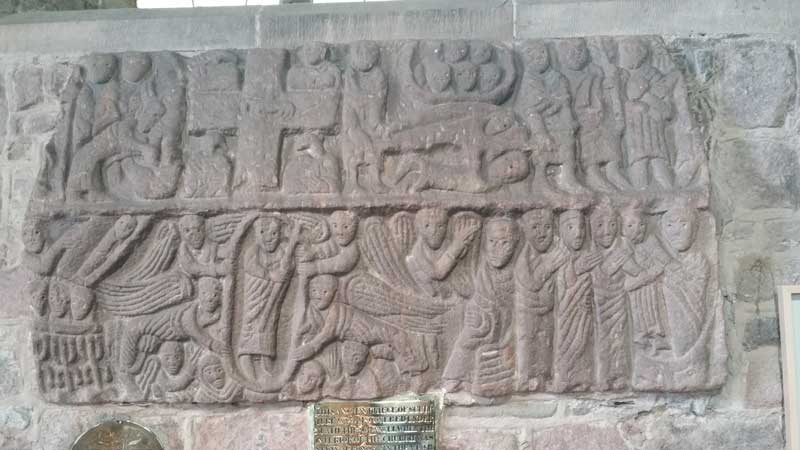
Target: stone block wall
<point>742,87</point>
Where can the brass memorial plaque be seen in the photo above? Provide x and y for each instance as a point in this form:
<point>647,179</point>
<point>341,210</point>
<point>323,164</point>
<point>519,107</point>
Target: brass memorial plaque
<point>117,435</point>
<point>407,424</point>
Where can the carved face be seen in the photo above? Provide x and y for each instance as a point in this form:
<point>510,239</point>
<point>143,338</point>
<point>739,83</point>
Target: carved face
<point>210,294</point>
<point>193,231</point>
<point>214,374</point>
<point>100,68</point>
<point>309,378</point>
<point>322,290</point>
<point>135,66</point>
<point>574,54</point>
<point>539,228</point>
<point>344,226</point>
<point>536,56</point>
<point>364,55</point>
<point>481,52</point>
<point>634,226</point>
<point>268,233</point>
<point>33,234</point>
<point>455,51</point>
<point>605,227</point>
<point>632,53</point>
<point>432,227</point>
<point>313,53</point>
<point>124,227</point>
<point>678,227</point>
<point>172,357</point>
<point>438,76</point>
<point>59,300</point>
<point>501,240</point>
<point>572,229</point>
<point>466,76</point>
<point>354,357</point>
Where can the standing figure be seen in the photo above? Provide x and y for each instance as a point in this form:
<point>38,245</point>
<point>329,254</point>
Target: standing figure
<point>535,291</point>
<point>545,104</point>
<point>648,109</point>
<point>647,302</point>
<point>268,270</point>
<point>592,110</point>
<point>363,111</point>
<point>483,356</point>
<point>574,325</point>
<point>612,354</point>
<point>316,72</point>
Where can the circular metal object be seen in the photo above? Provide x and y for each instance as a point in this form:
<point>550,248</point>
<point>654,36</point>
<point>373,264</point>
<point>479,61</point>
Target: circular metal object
<point>117,435</point>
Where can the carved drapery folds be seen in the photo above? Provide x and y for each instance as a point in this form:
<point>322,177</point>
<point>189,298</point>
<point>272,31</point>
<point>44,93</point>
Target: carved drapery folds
<point>358,221</point>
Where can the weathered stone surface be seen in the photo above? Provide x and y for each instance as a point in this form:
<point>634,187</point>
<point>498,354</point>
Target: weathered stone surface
<point>761,331</point>
<point>568,437</point>
<point>10,376</point>
<point>27,86</point>
<point>252,429</point>
<point>757,84</point>
<point>478,440</point>
<point>260,226</point>
<point>764,388</point>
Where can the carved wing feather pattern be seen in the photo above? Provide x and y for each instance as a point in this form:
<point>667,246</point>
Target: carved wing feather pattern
<point>382,256</point>
<point>221,228</point>
<point>135,298</point>
<point>403,231</point>
<point>407,312</point>
<point>159,255</point>
<point>460,279</point>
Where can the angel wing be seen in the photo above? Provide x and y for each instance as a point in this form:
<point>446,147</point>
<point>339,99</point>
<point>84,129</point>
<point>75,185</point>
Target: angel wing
<point>460,279</point>
<point>407,312</point>
<point>221,228</point>
<point>403,231</point>
<point>382,256</point>
<point>159,255</point>
<point>147,377</point>
<point>138,297</point>
<point>316,228</point>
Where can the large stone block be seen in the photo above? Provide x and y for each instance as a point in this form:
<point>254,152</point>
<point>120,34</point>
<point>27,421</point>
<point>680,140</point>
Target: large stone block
<point>252,429</point>
<point>478,440</point>
<point>598,436</point>
<point>764,387</point>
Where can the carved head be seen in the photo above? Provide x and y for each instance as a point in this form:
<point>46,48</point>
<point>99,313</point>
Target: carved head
<point>209,294</point>
<point>172,357</point>
<point>354,357</point>
<point>634,224</point>
<point>466,76</point>
<point>193,231</point>
<point>212,371</point>
<point>344,225</point>
<point>310,377</point>
<point>572,228</point>
<point>538,227</point>
<point>573,53</point>
<point>432,226</point>
<point>322,290</point>
<point>678,225</point>
<point>33,235</point>
<point>439,76</point>
<point>455,51</point>
<point>313,53</point>
<point>59,300</point>
<point>536,56</point>
<point>124,227</point>
<point>500,241</point>
<point>268,232</point>
<point>633,53</point>
<point>481,52</point>
<point>100,68</point>
<point>135,65</point>
<point>364,55</point>
<point>605,224</point>
<point>499,121</point>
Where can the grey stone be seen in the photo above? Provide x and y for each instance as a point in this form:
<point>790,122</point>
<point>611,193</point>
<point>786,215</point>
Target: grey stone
<point>252,429</point>
<point>761,331</point>
<point>458,439</point>
<point>27,86</point>
<point>757,83</point>
<point>598,436</point>
<point>9,373</point>
<point>764,387</point>
<point>755,281</point>
<point>14,419</point>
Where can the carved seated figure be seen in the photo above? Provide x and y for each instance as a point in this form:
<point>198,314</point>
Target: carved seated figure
<point>311,169</point>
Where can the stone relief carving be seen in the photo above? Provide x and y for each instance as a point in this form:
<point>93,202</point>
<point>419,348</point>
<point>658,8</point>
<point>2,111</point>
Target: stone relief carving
<point>358,221</point>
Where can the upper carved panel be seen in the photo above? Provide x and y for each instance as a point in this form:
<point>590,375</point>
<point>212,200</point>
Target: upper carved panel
<point>364,220</point>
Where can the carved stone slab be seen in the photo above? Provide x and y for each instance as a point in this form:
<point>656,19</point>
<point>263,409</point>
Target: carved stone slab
<point>364,220</point>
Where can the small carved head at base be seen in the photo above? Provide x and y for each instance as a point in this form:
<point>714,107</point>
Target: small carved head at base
<point>500,241</point>
<point>172,357</point>
<point>59,300</point>
<point>212,372</point>
<point>354,357</point>
<point>310,378</point>
<point>344,225</point>
<point>193,231</point>
<point>572,228</point>
<point>538,227</point>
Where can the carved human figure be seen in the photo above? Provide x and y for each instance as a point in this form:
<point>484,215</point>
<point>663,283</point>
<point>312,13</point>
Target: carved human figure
<point>612,329</point>
<point>268,270</point>
<point>363,111</point>
<point>464,71</point>
<point>686,280</point>
<point>341,254</point>
<point>308,383</point>
<point>176,372</point>
<point>358,381</point>
<point>574,320</point>
<point>207,171</point>
<point>590,90</point>
<point>648,109</point>
<point>429,261</point>
<point>316,71</point>
<point>215,385</point>
<point>489,73</point>
<point>41,260</point>
<point>197,255</point>
<point>311,169</point>
<point>535,276</point>
<point>646,299</point>
<point>482,360</point>
<point>544,102</point>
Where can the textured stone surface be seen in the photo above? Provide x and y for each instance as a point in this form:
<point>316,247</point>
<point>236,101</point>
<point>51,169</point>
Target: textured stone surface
<point>589,437</point>
<point>252,430</point>
<point>764,388</point>
<point>477,440</point>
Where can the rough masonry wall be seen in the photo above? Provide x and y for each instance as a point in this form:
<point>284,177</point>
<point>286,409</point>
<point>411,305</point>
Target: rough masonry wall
<point>740,107</point>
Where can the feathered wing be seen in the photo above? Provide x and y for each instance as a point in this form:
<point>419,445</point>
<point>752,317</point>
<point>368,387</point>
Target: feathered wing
<point>403,231</point>
<point>383,258</point>
<point>221,228</point>
<point>408,312</point>
<point>460,279</point>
